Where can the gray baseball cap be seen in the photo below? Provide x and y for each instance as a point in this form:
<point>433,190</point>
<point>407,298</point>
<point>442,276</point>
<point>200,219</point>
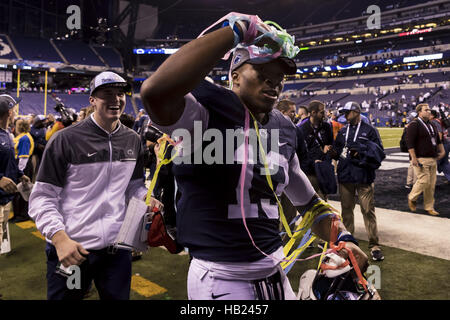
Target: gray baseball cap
<point>108,79</point>
<point>7,102</point>
<point>351,106</point>
<point>242,55</point>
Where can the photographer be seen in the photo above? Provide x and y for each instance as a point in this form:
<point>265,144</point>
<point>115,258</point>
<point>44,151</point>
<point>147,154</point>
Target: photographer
<point>68,116</point>
<point>359,150</point>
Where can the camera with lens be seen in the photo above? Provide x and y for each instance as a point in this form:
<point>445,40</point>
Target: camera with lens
<point>444,119</point>
<point>67,116</point>
<point>152,134</point>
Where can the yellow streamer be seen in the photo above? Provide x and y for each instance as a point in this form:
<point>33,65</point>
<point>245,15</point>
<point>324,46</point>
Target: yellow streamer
<point>163,147</point>
<point>292,257</point>
<point>307,220</point>
<point>269,180</point>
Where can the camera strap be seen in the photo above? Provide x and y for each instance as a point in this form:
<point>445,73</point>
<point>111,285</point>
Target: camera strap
<point>356,133</point>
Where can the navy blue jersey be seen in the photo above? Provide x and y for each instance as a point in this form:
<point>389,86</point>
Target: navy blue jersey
<point>8,164</point>
<point>209,219</point>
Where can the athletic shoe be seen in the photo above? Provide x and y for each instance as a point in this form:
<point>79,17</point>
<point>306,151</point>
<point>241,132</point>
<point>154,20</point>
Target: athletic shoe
<point>377,255</point>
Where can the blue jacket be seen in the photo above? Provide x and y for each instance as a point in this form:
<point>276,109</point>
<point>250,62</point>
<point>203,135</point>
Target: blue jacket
<point>364,154</point>
<point>8,164</point>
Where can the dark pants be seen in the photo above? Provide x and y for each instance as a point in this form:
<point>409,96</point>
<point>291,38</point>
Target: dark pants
<point>111,274</point>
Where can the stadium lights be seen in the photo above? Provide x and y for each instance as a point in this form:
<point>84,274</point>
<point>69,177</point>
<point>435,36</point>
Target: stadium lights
<point>168,51</point>
<point>436,56</point>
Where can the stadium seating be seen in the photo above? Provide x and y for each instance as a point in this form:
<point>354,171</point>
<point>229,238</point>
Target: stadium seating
<point>111,57</point>
<point>35,49</point>
<point>78,52</point>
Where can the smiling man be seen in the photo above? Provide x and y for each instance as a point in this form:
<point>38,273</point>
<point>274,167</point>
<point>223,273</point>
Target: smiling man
<point>88,173</point>
<point>233,258</point>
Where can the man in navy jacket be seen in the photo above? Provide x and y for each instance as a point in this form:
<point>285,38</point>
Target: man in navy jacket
<point>10,174</point>
<point>359,150</point>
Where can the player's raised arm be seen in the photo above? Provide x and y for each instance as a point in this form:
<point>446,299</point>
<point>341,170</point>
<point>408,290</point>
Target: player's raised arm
<point>163,92</point>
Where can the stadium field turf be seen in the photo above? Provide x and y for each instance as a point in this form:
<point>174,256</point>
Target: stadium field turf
<point>160,275</point>
<point>390,136</point>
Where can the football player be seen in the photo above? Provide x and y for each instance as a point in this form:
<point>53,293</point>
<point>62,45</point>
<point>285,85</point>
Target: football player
<point>228,214</point>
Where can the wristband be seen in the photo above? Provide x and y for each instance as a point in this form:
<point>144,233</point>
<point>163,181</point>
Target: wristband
<point>346,237</point>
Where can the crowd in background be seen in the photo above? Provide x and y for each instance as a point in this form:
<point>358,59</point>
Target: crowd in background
<point>38,129</point>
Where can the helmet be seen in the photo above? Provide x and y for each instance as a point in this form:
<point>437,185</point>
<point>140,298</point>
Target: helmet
<point>334,284</point>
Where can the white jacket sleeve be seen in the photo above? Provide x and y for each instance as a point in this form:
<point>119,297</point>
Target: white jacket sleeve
<point>43,209</point>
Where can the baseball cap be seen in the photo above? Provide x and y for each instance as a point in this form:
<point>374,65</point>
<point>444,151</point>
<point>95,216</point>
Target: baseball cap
<point>243,55</point>
<point>7,102</point>
<point>108,79</point>
<point>351,106</point>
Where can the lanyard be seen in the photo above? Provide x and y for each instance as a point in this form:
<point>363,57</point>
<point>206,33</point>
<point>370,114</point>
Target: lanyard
<point>317,135</point>
<point>356,133</point>
<point>431,133</point>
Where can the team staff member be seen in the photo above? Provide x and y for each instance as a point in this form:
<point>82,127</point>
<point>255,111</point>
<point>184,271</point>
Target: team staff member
<point>88,173</point>
<point>354,145</point>
<point>225,264</point>
<point>10,174</point>
<point>319,138</point>
<point>425,148</point>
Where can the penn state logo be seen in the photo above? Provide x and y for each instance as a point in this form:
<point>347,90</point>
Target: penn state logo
<point>237,58</point>
<point>108,80</point>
